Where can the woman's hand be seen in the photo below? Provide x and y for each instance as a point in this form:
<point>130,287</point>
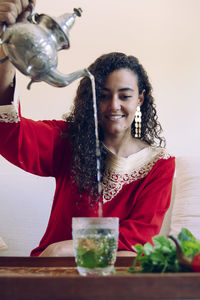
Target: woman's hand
<point>64,248</point>
<point>13,10</point>
<point>126,253</point>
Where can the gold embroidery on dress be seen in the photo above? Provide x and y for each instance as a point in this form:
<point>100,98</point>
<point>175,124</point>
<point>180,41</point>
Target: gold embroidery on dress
<point>9,117</point>
<point>9,113</point>
<point>114,181</point>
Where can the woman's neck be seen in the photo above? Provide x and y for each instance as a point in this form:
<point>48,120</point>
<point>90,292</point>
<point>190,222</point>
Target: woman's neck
<point>124,146</point>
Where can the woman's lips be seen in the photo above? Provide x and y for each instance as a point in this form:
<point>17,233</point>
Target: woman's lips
<point>114,117</point>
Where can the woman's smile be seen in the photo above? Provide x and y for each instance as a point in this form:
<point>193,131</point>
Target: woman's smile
<point>114,117</point>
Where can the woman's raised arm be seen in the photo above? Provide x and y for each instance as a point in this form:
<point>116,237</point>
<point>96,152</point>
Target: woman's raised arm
<point>11,11</point>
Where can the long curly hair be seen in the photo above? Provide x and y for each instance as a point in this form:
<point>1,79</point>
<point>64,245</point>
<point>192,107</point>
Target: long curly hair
<point>81,127</point>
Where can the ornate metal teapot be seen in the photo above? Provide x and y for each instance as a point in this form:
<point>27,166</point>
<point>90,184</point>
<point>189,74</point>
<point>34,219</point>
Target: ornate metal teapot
<point>32,47</point>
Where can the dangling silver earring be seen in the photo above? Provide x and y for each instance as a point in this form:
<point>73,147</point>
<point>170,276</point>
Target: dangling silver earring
<point>138,122</point>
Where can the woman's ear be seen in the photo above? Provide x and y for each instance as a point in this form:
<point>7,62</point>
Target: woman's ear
<point>141,98</point>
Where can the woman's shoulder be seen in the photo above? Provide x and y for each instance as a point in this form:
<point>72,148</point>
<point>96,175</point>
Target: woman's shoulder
<point>160,153</point>
<point>159,156</point>
<point>151,152</point>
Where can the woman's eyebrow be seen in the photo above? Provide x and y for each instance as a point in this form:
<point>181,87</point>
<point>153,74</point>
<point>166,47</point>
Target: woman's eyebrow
<point>126,89</point>
<point>121,89</point>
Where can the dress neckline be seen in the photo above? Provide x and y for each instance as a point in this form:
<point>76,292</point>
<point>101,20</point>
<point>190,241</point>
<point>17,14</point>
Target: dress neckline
<point>134,161</point>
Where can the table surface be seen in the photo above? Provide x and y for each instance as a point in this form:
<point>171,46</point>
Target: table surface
<point>42,278</point>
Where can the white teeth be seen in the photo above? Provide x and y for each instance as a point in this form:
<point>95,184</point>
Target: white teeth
<point>115,117</point>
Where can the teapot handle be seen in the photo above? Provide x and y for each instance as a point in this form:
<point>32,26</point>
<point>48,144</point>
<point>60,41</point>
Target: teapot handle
<point>4,26</point>
<point>1,35</point>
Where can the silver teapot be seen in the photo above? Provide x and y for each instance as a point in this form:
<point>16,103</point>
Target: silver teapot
<point>32,47</point>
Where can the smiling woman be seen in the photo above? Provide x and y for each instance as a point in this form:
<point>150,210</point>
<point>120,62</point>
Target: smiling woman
<point>137,172</point>
<point>113,72</point>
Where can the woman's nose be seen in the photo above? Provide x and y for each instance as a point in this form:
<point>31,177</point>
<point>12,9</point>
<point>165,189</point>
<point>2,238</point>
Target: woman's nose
<point>114,103</point>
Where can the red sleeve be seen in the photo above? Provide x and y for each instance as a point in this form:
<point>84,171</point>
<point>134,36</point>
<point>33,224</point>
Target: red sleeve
<point>34,146</point>
<point>152,202</point>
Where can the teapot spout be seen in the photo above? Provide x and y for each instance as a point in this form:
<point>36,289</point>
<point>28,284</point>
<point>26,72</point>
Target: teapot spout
<point>58,79</point>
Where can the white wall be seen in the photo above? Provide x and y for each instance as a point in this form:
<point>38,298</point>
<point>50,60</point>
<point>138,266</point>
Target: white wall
<point>163,34</point>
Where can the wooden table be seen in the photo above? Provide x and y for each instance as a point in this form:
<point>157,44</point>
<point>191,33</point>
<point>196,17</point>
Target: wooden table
<point>42,278</point>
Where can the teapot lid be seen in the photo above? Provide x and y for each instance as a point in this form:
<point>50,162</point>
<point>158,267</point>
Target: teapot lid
<point>60,26</point>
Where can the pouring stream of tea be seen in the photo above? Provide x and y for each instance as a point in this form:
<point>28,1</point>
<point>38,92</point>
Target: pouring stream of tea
<point>98,152</point>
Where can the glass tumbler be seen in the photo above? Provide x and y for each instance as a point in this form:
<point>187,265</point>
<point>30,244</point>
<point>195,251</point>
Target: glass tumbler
<point>95,242</point>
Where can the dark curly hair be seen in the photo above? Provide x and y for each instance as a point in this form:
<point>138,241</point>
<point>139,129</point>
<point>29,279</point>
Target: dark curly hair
<point>81,119</point>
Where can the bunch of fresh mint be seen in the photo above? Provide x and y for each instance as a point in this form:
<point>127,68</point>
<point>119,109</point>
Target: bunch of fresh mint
<point>162,256</point>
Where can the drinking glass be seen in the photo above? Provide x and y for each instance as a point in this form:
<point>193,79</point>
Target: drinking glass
<point>95,242</point>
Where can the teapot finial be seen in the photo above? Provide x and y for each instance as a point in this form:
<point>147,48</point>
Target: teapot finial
<point>66,21</point>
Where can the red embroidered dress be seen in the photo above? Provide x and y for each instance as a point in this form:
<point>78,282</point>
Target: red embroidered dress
<point>136,189</point>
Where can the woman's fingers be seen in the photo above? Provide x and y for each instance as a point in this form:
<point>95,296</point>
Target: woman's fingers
<point>10,10</point>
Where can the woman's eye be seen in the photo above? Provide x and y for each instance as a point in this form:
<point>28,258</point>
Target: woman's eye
<point>108,96</point>
<point>125,96</point>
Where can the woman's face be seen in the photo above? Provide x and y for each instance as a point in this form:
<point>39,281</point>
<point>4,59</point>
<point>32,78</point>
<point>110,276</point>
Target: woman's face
<point>119,100</point>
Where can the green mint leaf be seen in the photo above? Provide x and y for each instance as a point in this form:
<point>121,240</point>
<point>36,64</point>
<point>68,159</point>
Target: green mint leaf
<point>186,235</point>
<point>190,248</point>
<point>148,249</point>
<point>138,248</point>
<point>161,242</point>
